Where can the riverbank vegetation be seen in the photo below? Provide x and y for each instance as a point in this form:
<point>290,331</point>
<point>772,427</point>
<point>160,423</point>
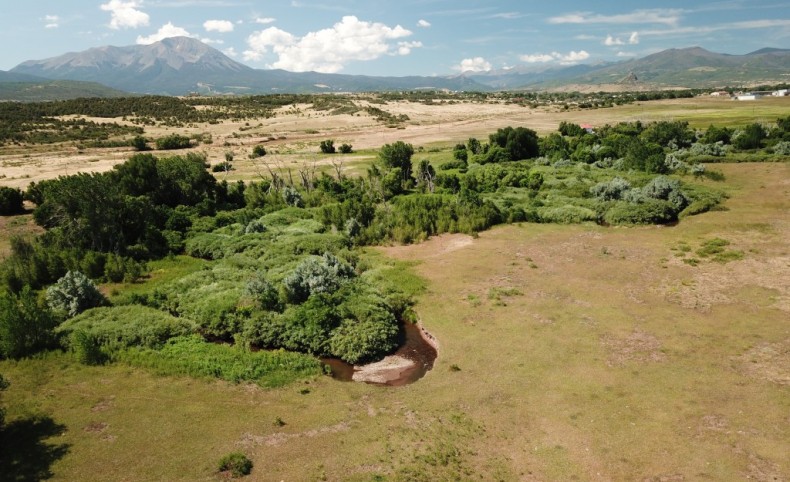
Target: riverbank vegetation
<point>285,267</point>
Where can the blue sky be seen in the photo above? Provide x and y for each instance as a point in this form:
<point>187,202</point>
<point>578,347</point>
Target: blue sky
<point>404,37</point>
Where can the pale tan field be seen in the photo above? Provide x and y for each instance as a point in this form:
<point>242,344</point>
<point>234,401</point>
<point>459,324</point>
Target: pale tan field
<point>298,130</point>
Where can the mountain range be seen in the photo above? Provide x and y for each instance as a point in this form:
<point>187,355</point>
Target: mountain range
<point>182,65</point>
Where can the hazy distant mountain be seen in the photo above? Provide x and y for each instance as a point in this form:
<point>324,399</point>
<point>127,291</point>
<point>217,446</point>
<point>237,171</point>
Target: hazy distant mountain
<point>696,67</point>
<point>181,65</point>
<point>525,76</point>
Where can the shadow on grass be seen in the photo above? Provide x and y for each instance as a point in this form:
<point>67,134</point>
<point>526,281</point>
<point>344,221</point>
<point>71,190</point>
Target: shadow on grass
<point>25,453</point>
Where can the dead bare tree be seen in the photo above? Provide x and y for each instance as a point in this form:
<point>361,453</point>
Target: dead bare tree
<point>338,166</point>
<point>307,173</point>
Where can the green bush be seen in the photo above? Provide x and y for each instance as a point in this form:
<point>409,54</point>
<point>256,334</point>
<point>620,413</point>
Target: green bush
<point>650,211</point>
<point>258,151</point>
<point>25,324</point>
<point>192,356</point>
<point>87,348</point>
<point>118,327</point>
<point>567,214</point>
<point>368,330</point>
<point>173,141</point>
<point>327,146</point>
<point>10,201</point>
<point>345,148</point>
<point>236,463</point>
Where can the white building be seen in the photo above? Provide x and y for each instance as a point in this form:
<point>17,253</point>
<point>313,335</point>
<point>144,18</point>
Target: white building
<point>780,93</point>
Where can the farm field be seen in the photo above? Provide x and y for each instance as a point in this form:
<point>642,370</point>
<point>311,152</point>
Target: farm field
<point>576,352</point>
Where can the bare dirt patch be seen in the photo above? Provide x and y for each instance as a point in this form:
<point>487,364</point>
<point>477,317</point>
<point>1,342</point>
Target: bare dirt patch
<point>768,361</point>
<point>103,404</point>
<point>251,440</point>
<point>434,247</point>
<point>637,347</point>
<point>96,427</point>
<point>714,283</point>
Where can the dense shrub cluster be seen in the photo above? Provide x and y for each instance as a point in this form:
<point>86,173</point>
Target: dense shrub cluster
<point>10,201</point>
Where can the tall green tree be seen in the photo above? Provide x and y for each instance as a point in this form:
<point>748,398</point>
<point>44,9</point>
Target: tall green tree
<point>520,142</point>
<point>398,155</point>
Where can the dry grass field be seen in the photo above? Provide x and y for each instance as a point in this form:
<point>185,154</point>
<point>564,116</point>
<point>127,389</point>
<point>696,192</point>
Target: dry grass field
<point>297,131</point>
<point>566,352</point>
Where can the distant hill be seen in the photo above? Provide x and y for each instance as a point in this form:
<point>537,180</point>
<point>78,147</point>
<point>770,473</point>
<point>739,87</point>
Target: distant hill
<point>29,88</point>
<point>692,67</point>
<point>181,65</point>
<point>17,77</point>
<point>696,67</point>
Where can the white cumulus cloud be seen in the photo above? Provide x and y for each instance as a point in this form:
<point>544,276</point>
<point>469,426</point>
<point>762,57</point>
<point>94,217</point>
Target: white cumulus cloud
<point>476,64</point>
<point>612,41</point>
<point>221,26</point>
<point>423,23</point>
<point>230,52</point>
<point>265,20</point>
<point>125,14</point>
<point>165,31</point>
<point>330,49</point>
<point>570,58</point>
<point>52,21</point>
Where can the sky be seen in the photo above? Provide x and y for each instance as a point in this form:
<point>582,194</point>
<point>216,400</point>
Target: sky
<point>397,37</point>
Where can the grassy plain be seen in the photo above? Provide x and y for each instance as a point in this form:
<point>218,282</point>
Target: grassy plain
<point>566,353</point>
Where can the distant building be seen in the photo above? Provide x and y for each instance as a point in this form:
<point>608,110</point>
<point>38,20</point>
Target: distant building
<point>720,93</point>
<point>780,93</point>
<point>589,128</point>
<point>747,97</point>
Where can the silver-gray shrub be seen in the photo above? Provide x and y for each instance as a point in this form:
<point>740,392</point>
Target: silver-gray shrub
<point>255,226</point>
<point>675,164</point>
<point>292,197</point>
<point>668,189</point>
<point>73,294</point>
<point>317,274</point>
<point>782,148</point>
<point>262,291</point>
<point>611,190</point>
<point>718,149</point>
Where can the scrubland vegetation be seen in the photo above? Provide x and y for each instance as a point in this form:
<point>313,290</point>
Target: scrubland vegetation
<point>273,273</point>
